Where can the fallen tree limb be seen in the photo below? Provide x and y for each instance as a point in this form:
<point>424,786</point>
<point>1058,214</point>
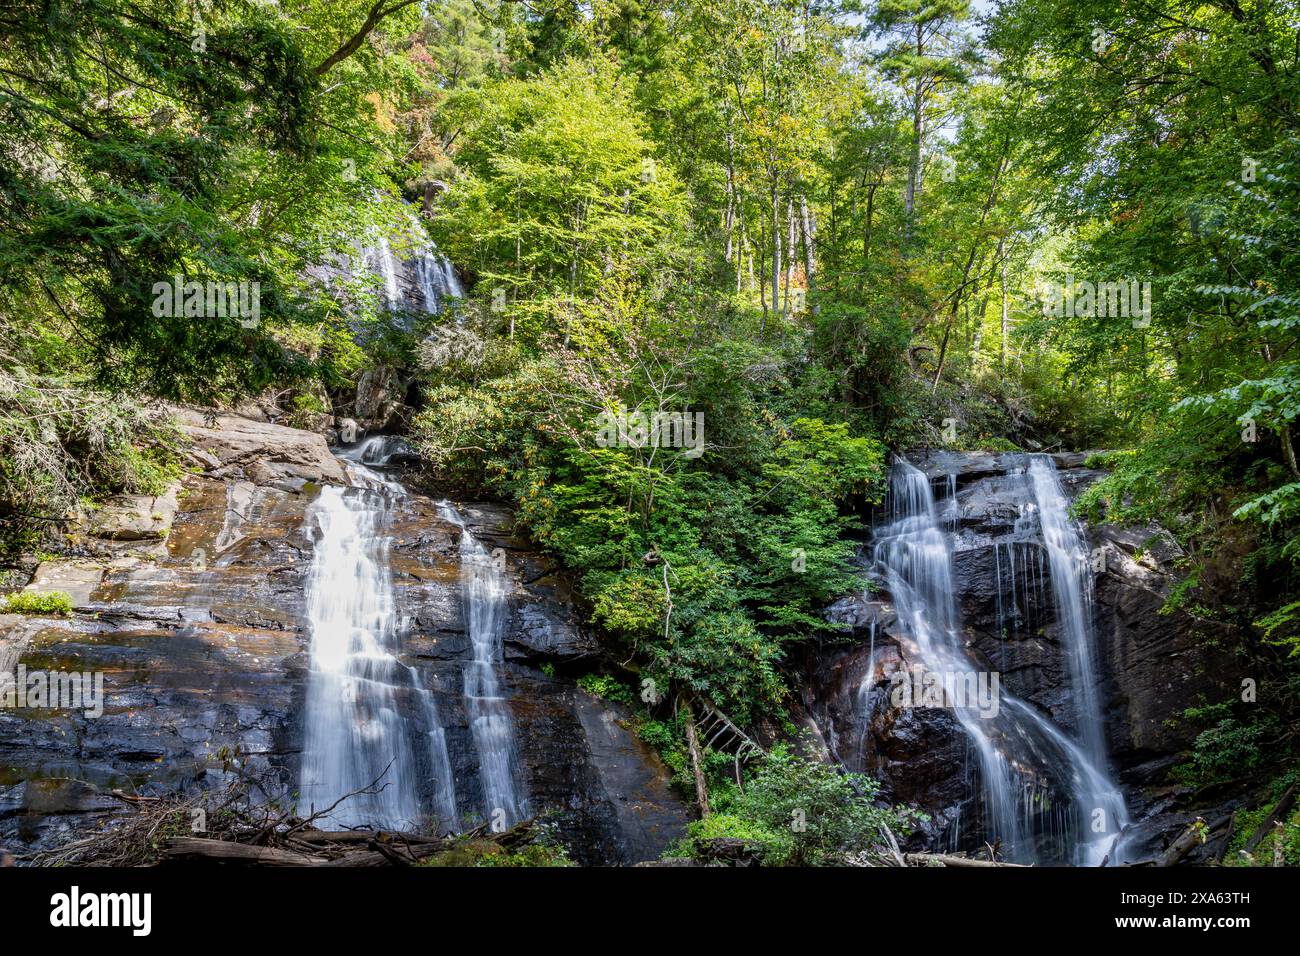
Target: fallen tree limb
<point>361,848</point>
<point>1277,816</point>
<point>1190,838</point>
<point>192,849</point>
<point>944,859</point>
<point>693,746</point>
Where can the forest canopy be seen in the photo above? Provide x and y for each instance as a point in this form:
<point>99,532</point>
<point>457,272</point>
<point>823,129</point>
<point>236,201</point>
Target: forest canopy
<point>835,230</point>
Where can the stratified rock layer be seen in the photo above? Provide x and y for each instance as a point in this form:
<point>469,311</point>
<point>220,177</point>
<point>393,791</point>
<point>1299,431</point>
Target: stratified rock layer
<point>205,657</point>
<point>1151,665</point>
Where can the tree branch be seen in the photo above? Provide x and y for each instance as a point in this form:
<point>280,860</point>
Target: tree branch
<point>377,13</point>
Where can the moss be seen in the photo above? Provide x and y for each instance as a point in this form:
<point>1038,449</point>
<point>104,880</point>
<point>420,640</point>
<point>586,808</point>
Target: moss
<point>478,852</point>
<point>606,687</point>
<point>27,602</point>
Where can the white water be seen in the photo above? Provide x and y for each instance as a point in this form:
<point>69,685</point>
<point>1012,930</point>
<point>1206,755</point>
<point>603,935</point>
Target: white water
<point>483,593</point>
<point>388,269</point>
<point>1072,588</point>
<point>437,280</point>
<point>1023,758</point>
<point>914,557</point>
<point>433,272</point>
<point>356,735</point>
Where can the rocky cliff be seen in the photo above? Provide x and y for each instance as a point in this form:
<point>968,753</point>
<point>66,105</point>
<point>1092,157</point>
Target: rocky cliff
<point>1152,665</point>
<point>193,611</point>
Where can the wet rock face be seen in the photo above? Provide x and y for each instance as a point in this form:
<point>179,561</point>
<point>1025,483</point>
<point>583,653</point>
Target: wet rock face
<point>1151,666</point>
<point>205,656</point>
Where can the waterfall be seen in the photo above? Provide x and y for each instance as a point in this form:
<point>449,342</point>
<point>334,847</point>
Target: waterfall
<point>1025,762</point>
<point>1072,588</point>
<point>388,269</point>
<point>437,280</point>
<point>913,556</point>
<point>356,734</point>
<point>483,593</point>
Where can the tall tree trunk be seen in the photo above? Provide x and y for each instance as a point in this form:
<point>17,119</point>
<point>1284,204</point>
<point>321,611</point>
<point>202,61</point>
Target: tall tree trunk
<point>697,760</point>
<point>914,160</point>
<point>918,136</point>
<point>808,224</point>
<point>866,236</point>
<point>731,197</point>
<point>789,253</point>
<point>742,255</point>
<point>776,247</point>
<point>1002,362</point>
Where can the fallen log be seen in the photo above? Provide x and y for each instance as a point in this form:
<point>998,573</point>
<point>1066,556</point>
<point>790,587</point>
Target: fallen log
<point>360,848</point>
<point>363,836</point>
<point>1278,815</point>
<point>944,859</point>
<point>194,849</point>
<point>1192,837</point>
<point>364,858</point>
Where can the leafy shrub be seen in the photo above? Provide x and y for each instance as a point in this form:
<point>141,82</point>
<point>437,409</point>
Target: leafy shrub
<point>606,687</point>
<point>799,811</point>
<point>27,602</point>
<point>1228,749</point>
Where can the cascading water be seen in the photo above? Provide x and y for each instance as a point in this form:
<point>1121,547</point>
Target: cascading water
<point>388,269</point>
<point>1023,759</point>
<point>1072,588</point>
<point>437,280</point>
<point>914,557</point>
<point>356,735</point>
<point>484,595</point>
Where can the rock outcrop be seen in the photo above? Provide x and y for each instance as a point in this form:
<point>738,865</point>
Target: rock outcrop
<point>1152,665</point>
<point>204,654</point>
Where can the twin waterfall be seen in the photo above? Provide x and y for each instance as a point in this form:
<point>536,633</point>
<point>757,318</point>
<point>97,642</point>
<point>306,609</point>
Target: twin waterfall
<point>483,593</point>
<point>373,733</point>
<point>1046,794</point>
<point>375,750</point>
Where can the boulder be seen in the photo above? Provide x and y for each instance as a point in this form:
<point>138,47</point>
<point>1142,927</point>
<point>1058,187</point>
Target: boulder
<point>77,579</point>
<point>206,651</point>
<point>260,451</point>
<point>135,517</point>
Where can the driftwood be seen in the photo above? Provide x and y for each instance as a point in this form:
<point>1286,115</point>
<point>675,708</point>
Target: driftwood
<point>1278,815</point>
<point>359,848</point>
<point>1190,838</point>
<point>693,745</point>
<point>945,859</point>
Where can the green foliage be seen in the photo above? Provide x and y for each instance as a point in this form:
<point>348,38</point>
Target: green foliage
<point>704,563</point>
<point>61,442</point>
<point>799,811</point>
<point>533,855</point>
<point>555,185</point>
<point>606,687</point>
<point>51,603</point>
<point>1231,746</point>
